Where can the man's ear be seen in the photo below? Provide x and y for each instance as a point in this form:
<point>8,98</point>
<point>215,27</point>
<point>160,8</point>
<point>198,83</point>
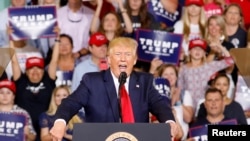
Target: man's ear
<point>135,60</point>
<point>90,48</point>
<point>108,60</point>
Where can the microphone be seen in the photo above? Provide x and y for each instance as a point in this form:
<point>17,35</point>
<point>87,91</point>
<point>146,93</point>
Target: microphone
<point>122,78</point>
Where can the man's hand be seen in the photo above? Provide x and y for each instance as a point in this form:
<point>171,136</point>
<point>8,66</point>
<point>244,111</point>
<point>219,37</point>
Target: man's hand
<point>58,130</point>
<point>173,130</point>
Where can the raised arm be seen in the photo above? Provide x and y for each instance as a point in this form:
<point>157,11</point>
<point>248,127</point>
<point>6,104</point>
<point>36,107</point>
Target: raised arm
<point>16,70</point>
<point>95,23</point>
<point>55,55</point>
<point>127,21</point>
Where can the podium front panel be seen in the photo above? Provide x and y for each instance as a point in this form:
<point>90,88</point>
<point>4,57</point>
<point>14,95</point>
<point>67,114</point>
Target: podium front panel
<point>121,132</point>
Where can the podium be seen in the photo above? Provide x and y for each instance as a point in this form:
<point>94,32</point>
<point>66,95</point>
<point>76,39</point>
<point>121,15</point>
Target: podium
<point>121,132</point>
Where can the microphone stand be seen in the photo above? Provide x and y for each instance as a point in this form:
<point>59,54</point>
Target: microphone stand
<point>122,80</point>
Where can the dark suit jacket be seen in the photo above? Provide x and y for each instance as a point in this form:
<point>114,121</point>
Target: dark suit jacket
<point>97,94</point>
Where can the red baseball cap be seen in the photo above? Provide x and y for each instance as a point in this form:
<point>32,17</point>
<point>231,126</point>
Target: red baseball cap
<point>98,39</point>
<point>8,84</point>
<point>34,62</point>
<point>198,43</point>
<point>196,2</point>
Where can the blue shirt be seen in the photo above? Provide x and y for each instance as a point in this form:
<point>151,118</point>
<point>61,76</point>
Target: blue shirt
<point>83,67</point>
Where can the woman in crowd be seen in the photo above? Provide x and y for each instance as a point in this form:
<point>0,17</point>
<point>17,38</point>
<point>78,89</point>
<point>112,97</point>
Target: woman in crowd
<point>64,59</point>
<point>194,75</point>
<point>235,29</point>
<point>46,119</point>
<point>111,22</point>
<point>233,109</point>
<point>217,39</point>
<point>191,25</point>
<point>139,15</point>
<point>181,99</point>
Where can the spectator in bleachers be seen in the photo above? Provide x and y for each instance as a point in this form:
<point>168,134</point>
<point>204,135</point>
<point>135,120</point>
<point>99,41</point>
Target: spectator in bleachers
<point>34,86</point>
<point>46,119</point>
<point>244,6</point>
<point>194,75</point>
<point>233,109</point>
<point>106,7</point>
<point>74,19</point>
<point>191,25</point>
<point>111,24</point>
<point>181,99</point>
<point>214,105</point>
<point>235,29</point>
<point>7,96</point>
<point>217,39</point>
<point>23,51</point>
<point>98,51</point>
<point>63,58</point>
<point>139,15</point>
<point>4,39</point>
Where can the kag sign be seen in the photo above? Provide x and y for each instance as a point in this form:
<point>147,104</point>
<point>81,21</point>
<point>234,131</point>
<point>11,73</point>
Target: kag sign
<point>32,22</point>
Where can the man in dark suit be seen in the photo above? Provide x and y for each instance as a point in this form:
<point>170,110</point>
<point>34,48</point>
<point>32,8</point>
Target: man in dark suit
<point>98,92</point>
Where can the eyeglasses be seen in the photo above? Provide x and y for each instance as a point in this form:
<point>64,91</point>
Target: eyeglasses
<point>75,17</point>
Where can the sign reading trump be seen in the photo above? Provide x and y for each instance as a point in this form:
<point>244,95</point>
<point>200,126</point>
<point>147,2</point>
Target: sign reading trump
<point>12,127</point>
<point>153,43</point>
<point>32,22</point>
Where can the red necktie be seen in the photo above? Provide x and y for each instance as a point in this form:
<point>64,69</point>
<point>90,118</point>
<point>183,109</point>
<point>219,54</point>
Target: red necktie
<point>126,107</point>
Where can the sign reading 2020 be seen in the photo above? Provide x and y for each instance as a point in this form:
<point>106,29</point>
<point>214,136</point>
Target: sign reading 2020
<point>164,45</point>
<point>32,22</point>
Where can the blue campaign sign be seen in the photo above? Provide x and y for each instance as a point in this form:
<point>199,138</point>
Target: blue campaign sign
<point>154,43</point>
<point>32,22</point>
<point>163,86</point>
<point>12,127</point>
<point>199,133</point>
<point>156,8</point>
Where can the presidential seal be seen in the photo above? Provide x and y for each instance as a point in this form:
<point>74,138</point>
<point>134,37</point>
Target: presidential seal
<point>121,136</point>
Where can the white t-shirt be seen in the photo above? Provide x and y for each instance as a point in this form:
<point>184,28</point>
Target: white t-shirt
<point>194,33</point>
<point>187,101</point>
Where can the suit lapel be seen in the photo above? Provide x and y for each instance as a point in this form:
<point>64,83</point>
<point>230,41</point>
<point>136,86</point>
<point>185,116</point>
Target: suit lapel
<point>111,93</point>
<point>134,92</point>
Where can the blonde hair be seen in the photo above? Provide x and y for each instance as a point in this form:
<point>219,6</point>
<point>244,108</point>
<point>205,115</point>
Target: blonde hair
<point>221,22</point>
<point>53,107</point>
<point>186,23</point>
<point>123,41</point>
